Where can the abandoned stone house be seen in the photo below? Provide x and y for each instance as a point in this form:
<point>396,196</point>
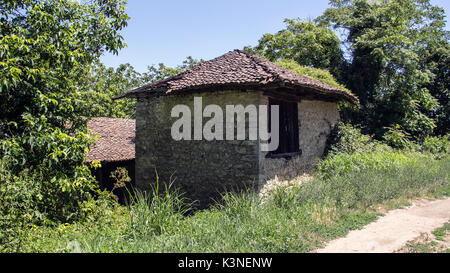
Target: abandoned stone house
<point>114,148</point>
<point>204,169</point>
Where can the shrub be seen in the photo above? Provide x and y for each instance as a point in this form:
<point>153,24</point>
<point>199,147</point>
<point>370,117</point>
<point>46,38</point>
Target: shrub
<point>344,138</point>
<point>397,138</point>
<point>437,145</point>
<point>381,158</point>
<point>17,208</point>
<point>31,198</point>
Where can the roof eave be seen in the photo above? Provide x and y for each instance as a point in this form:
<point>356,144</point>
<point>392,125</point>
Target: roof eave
<point>335,94</point>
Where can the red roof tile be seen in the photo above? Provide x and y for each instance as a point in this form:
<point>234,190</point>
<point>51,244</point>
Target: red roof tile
<point>116,142</point>
<point>238,69</point>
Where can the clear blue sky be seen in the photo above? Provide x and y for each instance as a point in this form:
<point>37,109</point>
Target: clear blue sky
<point>168,31</point>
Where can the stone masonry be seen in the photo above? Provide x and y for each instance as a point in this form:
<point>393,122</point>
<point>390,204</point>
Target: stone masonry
<point>204,169</point>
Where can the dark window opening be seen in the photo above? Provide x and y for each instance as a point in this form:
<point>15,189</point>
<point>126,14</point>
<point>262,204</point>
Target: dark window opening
<point>288,129</point>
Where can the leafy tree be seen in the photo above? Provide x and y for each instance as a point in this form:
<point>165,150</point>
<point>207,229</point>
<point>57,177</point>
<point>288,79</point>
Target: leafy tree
<point>437,59</point>
<point>394,58</point>
<point>391,65</point>
<point>304,42</point>
<point>46,48</point>
<point>103,84</point>
<point>156,73</point>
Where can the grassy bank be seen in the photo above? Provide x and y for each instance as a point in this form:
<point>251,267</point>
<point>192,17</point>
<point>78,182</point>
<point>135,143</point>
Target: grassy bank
<point>344,195</point>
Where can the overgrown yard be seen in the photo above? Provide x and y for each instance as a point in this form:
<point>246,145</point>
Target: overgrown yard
<point>392,146</point>
<point>344,195</point>
<point>436,242</point>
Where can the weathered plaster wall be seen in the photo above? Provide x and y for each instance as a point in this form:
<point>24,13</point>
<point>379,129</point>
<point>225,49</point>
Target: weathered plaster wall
<point>203,168</point>
<point>316,119</point>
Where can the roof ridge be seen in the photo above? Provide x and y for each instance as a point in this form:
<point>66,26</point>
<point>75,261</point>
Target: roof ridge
<point>170,78</point>
<point>258,60</point>
<point>233,69</point>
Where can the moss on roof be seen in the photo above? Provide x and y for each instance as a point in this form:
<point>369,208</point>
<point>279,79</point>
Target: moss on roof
<point>314,73</point>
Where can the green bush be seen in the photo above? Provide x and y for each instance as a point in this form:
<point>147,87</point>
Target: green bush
<point>45,57</point>
<point>32,198</point>
<point>437,145</point>
<point>344,138</point>
<point>397,137</point>
<point>17,209</point>
<point>381,158</point>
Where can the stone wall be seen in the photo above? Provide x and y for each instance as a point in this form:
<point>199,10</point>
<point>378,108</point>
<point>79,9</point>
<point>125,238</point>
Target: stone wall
<point>202,169</point>
<point>316,119</point>
<point>205,169</point>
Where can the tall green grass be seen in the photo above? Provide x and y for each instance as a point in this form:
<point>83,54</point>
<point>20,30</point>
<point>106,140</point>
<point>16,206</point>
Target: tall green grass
<point>357,176</point>
<point>360,183</point>
<point>156,212</point>
<point>342,197</point>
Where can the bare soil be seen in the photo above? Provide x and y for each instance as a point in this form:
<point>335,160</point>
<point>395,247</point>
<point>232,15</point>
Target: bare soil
<point>429,242</point>
<point>393,231</point>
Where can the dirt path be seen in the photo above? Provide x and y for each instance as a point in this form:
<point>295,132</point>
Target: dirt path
<point>392,231</point>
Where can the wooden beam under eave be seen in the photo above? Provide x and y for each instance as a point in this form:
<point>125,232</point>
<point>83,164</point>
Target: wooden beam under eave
<point>281,95</point>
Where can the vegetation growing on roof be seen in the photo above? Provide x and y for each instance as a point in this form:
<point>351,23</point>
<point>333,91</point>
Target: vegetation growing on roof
<point>314,73</point>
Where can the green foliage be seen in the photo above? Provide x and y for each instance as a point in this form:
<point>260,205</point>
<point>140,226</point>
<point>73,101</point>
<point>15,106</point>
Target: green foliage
<point>156,73</point>
<point>120,175</point>
<point>156,213</point>
<point>31,198</point>
<point>122,180</point>
<point>304,42</point>
<point>390,70</point>
<point>381,158</point>
<point>46,48</point>
<point>437,145</point>
<point>437,59</point>
<point>315,73</point>
<point>348,150</point>
<point>395,61</point>
<point>363,180</point>
<point>344,138</point>
<point>397,138</point>
<point>15,207</point>
<point>102,84</point>
<point>297,220</point>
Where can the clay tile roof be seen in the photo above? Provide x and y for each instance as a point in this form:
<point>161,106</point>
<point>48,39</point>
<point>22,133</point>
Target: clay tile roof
<point>238,69</point>
<point>116,142</point>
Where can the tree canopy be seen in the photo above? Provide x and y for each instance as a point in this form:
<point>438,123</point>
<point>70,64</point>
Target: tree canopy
<point>46,49</point>
<point>304,42</point>
<point>393,55</point>
<point>102,84</point>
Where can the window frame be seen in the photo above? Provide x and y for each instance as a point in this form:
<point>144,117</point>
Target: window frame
<point>289,145</point>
